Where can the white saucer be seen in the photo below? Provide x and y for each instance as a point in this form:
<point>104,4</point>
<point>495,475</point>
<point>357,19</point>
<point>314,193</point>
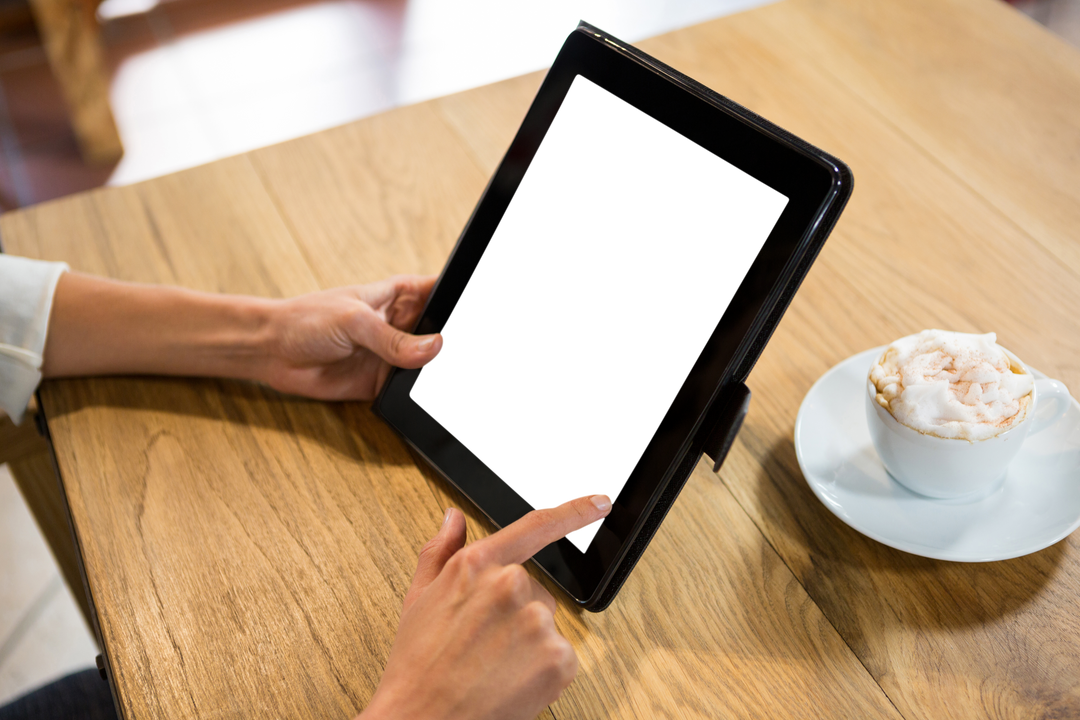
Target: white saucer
<point>1037,505</point>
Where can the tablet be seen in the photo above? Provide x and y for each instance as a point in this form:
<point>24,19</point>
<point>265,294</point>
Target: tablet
<point>614,286</point>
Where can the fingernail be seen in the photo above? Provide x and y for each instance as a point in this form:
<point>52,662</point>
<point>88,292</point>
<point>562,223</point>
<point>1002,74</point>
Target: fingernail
<point>426,344</point>
<point>446,517</point>
<point>602,503</point>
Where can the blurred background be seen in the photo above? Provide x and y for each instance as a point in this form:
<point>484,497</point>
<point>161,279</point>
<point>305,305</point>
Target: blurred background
<point>124,90</point>
<point>189,81</point>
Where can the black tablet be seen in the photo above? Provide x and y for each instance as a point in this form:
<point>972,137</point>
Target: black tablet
<point>614,286</point>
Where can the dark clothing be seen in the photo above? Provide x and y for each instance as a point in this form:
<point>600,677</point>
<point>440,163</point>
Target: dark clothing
<point>82,696</point>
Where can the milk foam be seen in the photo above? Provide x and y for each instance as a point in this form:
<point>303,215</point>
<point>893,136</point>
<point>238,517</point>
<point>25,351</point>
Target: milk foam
<point>952,385</point>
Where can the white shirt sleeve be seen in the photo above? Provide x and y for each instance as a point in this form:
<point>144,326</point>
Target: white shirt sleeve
<point>26,297</point>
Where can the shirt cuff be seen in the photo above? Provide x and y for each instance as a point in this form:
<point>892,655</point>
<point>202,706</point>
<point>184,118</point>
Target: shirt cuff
<point>27,288</point>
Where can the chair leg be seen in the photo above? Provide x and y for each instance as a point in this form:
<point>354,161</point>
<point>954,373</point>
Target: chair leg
<point>70,33</point>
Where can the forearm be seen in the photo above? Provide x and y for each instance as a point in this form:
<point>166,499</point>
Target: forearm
<point>105,327</point>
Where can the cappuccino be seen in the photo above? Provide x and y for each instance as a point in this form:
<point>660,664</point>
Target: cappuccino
<point>952,385</point>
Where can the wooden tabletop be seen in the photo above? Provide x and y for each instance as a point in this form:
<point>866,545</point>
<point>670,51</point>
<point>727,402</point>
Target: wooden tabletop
<point>248,552</point>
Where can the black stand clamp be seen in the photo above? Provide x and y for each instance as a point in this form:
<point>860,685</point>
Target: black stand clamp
<point>730,411</point>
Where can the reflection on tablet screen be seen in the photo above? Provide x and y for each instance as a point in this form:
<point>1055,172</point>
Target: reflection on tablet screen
<point>612,266</point>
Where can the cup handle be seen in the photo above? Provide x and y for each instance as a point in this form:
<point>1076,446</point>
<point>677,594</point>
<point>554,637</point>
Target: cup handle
<point>1055,392</point>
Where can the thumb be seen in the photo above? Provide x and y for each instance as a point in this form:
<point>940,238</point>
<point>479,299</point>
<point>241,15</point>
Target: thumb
<point>436,553</point>
<point>398,348</point>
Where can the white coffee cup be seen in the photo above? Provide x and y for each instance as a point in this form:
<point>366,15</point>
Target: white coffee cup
<point>955,467</point>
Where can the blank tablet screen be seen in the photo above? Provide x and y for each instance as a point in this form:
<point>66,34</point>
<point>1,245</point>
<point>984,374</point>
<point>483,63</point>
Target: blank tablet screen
<point>609,271</point>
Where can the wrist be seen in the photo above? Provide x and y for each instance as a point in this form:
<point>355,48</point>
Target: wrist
<point>247,342</point>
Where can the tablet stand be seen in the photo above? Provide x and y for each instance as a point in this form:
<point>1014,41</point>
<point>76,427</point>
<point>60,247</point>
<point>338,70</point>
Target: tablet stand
<point>730,411</point>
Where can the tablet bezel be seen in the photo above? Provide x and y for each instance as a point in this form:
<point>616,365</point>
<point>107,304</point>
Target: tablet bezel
<point>811,180</point>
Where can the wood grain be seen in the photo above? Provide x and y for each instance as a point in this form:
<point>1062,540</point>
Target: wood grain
<point>211,228</point>
<point>248,552</point>
<point>383,196</point>
<point>487,118</point>
<point>918,246</point>
<point>983,89</point>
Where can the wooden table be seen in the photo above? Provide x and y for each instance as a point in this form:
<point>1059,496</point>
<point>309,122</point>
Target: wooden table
<point>247,553</point>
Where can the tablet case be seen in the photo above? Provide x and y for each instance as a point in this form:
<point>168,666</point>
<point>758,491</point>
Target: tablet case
<point>725,415</point>
<point>718,433</point>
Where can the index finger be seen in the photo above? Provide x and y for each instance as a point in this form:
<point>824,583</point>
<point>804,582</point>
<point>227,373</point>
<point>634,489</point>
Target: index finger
<point>520,540</point>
